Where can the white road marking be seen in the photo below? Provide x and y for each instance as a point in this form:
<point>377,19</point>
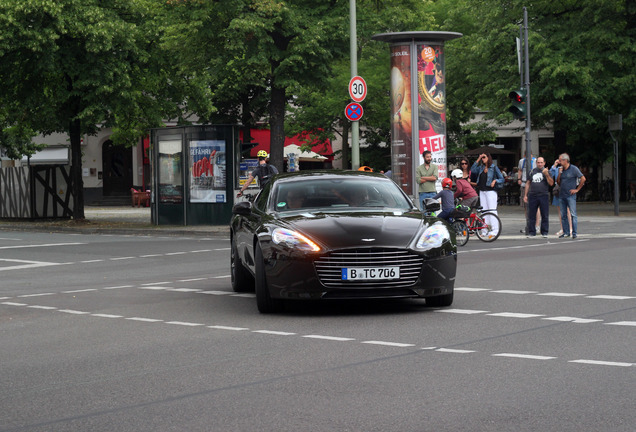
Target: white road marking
<point>344,339</point>
<point>155,283</point>
<point>36,295</point>
<point>175,253</point>
<point>151,320</point>
<point>392,344</point>
<point>183,289</point>
<point>524,356</point>
<point>219,327</point>
<point>42,245</point>
<point>191,280</point>
<point>222,277</point>
<point>182,323</point>
<point>515,315</point>
<point>215,292</point>
<point>331,338</point>
<point>202,250</point>
<point>8,238</point>
<point>4,298</point>
<point>223,249</point>
<point>150,256</point>
<point>471,289</point>
<point>514,292</point>
<point>246,295</point>
<point>27,264</point>
<point>117,287</point>
<point>455,351</point>
<point>572,319</point>
<point>623,323</point>
<point>158,288</point>
<point>462,311</point>
<point>80,290</point>
<point>610,297</point>
<point>603,363</point>
<point>272,332</point>
<point>560,294</point>
<point>92,261</point>
<point>122,258</point>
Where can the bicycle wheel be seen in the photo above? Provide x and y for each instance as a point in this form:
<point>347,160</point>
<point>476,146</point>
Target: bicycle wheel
<point>461,232</point>
<point>488,227</point>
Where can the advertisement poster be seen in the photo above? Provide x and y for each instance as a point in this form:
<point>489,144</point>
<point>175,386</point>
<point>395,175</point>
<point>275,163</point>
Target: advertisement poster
<point>432,106</point>
<point>170,174</point>
<point>245,169</point>
<point>207,171</point>
<point>401,118</point>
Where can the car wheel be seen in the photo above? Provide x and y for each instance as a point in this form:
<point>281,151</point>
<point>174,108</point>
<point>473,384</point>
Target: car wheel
<point>264,300</point>
<point>440,301</point>
<point>241,278</point>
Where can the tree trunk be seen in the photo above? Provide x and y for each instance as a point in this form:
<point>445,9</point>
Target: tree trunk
<point>76,169</point>
<point>277,105</point>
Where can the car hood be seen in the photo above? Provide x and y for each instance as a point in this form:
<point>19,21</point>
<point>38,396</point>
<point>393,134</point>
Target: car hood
<point>380,229</point>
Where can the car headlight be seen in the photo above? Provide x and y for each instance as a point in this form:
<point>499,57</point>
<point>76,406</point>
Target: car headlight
<point>434,236</point>
<point>293,239</point>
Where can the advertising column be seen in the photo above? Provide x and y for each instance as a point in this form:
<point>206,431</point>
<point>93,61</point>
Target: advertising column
<point>432,106</point>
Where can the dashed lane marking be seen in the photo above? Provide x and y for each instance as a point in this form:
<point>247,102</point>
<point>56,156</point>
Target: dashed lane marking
<point>515,315</point>
<point>524,356</point>
<point>41,245</point>
<point>333,338</point>
<point>24,264</point>
<point>80,291</point>
<point>623,323</point>
<point>36,295</point>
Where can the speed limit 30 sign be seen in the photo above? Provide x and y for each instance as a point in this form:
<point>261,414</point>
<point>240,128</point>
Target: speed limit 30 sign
<point>357,89</point>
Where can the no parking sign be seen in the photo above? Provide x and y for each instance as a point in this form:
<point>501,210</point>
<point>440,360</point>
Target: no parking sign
<point>354,111</point>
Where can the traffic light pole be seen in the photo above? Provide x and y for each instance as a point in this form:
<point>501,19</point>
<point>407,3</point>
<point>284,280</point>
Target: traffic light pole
<point>527,87</point>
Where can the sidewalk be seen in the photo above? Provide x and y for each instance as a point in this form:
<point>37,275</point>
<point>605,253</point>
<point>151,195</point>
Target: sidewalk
<point>594,220</point>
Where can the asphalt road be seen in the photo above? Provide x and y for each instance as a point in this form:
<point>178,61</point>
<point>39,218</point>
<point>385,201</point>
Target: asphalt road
<point>143,333</point>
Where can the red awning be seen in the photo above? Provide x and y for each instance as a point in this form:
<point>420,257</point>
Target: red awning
<point>263,138</point>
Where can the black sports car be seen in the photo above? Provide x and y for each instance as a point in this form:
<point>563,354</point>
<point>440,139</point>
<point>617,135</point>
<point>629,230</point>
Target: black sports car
<point>339,235</point>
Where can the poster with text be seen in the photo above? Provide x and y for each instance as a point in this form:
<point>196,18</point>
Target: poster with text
<point>432,105</point>
<point>401,118</point>
<point>207,171</point>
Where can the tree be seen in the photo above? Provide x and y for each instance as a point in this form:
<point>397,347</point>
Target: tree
<point>582,58</point>
<point>73,66</point>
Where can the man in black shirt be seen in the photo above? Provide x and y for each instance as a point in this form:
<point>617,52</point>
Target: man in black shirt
<point>537,195</point>
<point>263,171</point>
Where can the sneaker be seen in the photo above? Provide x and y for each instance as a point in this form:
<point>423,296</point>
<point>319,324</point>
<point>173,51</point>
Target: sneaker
<point>544,235</point>
<point>530,235</point>
<point>574,236</point>
<point>564,235</point>
<point>559,233</point>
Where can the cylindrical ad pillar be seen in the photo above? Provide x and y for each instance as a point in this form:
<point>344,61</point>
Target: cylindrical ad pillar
<point>418,103</point>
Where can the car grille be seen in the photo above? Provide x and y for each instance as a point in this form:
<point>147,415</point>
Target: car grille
<point>329,267</point>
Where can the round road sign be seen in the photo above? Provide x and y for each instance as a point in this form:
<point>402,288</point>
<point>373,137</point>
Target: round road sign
<point>357,89</point>
<point>354,111</point>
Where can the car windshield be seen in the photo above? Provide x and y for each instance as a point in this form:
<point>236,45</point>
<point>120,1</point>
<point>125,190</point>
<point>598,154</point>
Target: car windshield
<point>341,193</point>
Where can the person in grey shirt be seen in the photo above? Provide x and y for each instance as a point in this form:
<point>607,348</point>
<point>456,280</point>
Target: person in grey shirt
<point>570,180</point>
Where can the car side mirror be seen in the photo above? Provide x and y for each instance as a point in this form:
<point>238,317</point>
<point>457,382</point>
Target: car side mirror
<point>243,208</point>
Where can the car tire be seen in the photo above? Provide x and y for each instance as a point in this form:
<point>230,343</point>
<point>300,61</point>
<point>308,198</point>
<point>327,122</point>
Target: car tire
<point>264,301</point>
<point>440,301</point>
<point>241,278</point>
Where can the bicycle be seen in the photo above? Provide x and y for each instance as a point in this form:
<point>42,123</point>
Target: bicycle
<point>475,222</point>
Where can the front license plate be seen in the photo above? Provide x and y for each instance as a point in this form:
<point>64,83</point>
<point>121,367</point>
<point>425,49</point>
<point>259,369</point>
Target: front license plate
<point>370,273</point>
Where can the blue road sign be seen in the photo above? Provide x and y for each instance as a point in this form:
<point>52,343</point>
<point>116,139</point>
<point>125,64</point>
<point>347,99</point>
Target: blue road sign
<point>354,111</point>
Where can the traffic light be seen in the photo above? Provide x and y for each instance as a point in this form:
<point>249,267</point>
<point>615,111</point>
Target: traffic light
<point>518,107</point>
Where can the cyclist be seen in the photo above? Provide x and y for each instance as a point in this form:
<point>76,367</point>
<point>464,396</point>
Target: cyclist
<point>448,202</point>
<point>263,171</point>
<point>464,189</point>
